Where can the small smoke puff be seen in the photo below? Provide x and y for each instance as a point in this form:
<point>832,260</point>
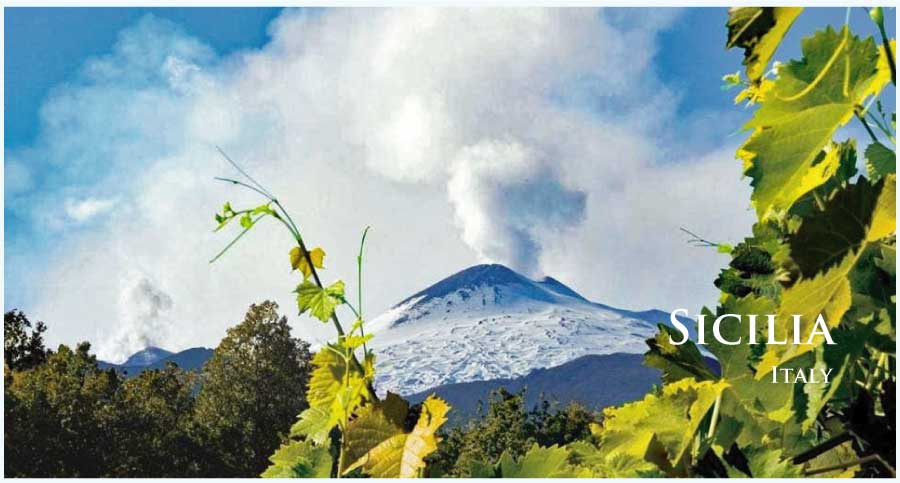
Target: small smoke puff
<point>143,308</point>
<point>505,195</point>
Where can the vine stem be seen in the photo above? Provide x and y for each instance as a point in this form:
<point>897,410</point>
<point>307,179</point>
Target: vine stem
<point>822,448</point>
<point>715,417</point>
<point>856,462</point>
<point>866,125</point>
<point>697,240</point>
<point>340,460</point>
<point>887,50</point>
<point>286,219</point>
<point>359,302</point>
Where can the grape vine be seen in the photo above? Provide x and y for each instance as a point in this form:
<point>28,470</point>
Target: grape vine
<point>824,243</point>
<point>345,415</point>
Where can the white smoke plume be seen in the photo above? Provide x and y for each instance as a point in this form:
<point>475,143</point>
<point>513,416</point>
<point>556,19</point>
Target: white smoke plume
<point>143,315</point>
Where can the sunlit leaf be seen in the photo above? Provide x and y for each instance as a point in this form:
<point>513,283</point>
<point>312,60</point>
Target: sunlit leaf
<point>319,301</point>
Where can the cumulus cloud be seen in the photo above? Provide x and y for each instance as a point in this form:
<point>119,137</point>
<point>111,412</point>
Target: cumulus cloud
<point>521,136</point>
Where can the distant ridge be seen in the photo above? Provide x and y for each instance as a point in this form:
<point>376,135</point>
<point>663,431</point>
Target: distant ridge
<point>147,356</point>
<point>190,359</point>
<point>596,381</point>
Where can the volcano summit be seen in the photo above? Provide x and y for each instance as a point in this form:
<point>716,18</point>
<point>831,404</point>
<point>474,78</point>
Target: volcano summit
<point>489,322</point>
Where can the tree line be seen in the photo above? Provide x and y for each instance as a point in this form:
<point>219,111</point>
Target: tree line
<point>67,417</point>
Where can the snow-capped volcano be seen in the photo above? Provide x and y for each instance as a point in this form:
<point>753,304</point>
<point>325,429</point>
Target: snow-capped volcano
<point>489,322</point>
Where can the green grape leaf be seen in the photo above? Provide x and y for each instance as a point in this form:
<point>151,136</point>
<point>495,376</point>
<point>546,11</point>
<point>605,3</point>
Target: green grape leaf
<point>335,391</point>
<point>246,221</point>
<point>849,344</point>
<point>859,213</point>
<point>873,287</point>
<point>827,294</point>
<point>355,341</point>
<point>370,428</point>
<point>403,455</point>
<point>808,101</point>
<point>846,170</point>
<point>264,209</point>
<point>751,409</point>
<point>594,463</point>
<point>538,462</point>
<point>480,469</point>
<point>660,428</point>
<point>300,459</point>
<point>736,361</point>
<point>840,458</point>
<point>888,260</point>
<point>223,218</point>
<point>395,408</point>
<point>320,302</point>
<point>298,261</point>
<point>767,462</point>
<point>758,30</point>
<point>880,161</point>
<point>314,423</point>
<point>676,361</point>
<point>373,424</point>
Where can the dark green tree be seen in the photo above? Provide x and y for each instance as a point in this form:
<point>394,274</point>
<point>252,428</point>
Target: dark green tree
<point>23,345</point>
<point>253,388</point>
<point>148,424</point>
<point>508,425</point>
<point>51,424</point>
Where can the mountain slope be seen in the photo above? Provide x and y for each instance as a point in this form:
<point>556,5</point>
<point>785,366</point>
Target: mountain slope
<point>489,322</point>
<point>597,381</point>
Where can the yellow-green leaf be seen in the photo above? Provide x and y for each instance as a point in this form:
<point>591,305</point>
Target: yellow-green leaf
<point>884,217</point>
<point>299,262</point>
<point>660,428</point>
<point>828,295</point>
<point>538,462</point>
<point>373,424</point>
<point>246,221</point>
<point>808,101</point>
<point>300,459</point>
<point>403,455</point>
<point>880,161</point>
<point>676,361</point>
<point>320,302</point>
<point>759,30</point>
<point>355,341</point>
<point>336,389</point>
<point>858,213</point>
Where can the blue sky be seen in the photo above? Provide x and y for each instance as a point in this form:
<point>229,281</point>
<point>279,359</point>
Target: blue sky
<point>110,111</point>
<point>46,46</point>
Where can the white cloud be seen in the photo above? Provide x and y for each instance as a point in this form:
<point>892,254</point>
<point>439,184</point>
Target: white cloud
<point>85,209</point>
<point>458,135</point>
